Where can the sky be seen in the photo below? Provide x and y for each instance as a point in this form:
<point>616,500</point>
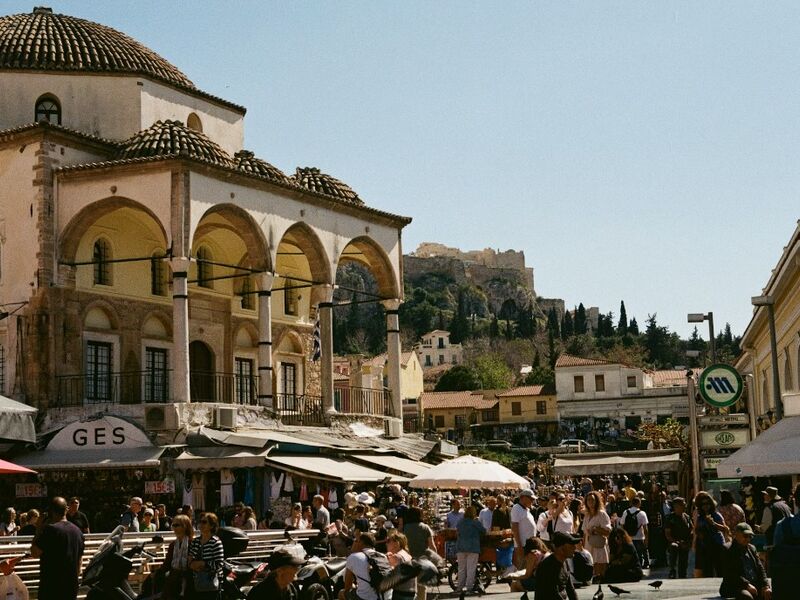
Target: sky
<point>639,151</point>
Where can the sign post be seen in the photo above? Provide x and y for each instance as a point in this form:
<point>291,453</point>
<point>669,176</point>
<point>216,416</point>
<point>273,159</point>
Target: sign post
<point>695,443</point>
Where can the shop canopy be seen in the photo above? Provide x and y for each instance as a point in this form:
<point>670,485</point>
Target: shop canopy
<point>774,452</point>
<point>329,468</point>
<point>123,458</point>
<point>220,457</point>
<point>469,472</point>
<point>16,421</point>
<point>393,463</point>
<point>614,463</point>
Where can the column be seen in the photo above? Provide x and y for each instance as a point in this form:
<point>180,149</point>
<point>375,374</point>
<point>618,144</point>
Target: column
<point>393,350</point>
<point>326,346</point>
<point>180,329</point>
<point>265,397</point>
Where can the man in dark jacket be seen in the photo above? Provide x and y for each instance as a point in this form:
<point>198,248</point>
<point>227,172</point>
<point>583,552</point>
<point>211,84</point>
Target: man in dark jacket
<point>775,509</point>
<point>743,573</point>
<point>283,567</point>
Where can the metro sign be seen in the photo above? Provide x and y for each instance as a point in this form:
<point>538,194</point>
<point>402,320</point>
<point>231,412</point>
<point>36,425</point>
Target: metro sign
<point>720,385</point>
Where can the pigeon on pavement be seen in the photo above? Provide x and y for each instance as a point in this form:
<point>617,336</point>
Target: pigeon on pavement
<point>598,595</point>
<point>656,584</point>
<point>617,590</point>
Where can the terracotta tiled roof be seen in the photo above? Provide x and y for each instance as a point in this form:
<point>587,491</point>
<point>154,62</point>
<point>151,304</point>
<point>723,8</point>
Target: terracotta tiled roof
<point>567,360</point>
<point>434,400</point>
<point>668,377</point>
<point>42,40</point>
<point>313,179</point>
<point>524,390</point>
<point>381,359</point>
<point>246,161</point>
<point>173,138</point>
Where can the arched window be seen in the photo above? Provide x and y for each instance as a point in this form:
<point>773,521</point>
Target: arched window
<point>245,291</point>
<point>101,256</point>
<point>48,108</point>
<point>194,122</point>
<point>204,267</point>
<point>788,380</point>
<point>158,274</point>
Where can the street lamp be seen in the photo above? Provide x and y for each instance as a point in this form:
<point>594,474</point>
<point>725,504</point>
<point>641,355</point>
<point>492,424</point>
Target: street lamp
<point>769,302</point>
<point>699,318</point>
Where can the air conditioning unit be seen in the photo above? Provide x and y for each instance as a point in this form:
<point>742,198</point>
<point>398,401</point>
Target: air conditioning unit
<point>225,417</point>
<point>393,428</point>
<point>161,417</point>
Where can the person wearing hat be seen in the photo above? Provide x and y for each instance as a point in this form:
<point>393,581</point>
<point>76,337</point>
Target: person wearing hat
<point>775,509</point>
<point>523,525</point>
<point>678,532</point>
<point>283,567</point>
<point>552,576</point>
<point>147,524</point>
<point>743,574</point>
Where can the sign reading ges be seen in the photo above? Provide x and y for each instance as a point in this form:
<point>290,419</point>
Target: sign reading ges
<point>99,437</point>
<point>106,433</point>
<point>720,385</point>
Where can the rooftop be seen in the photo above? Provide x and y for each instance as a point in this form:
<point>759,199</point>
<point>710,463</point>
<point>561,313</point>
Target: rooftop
<point>568,360</point>
<point>467,399</point>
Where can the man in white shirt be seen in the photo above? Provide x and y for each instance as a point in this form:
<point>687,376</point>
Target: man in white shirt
<point>356,576</point>
<point>523,525</point>
<point>640,538</point>
<point>485,516</point>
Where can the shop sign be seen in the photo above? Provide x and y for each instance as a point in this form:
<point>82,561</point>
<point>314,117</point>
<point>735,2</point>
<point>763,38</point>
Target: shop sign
<point>31,490</point>
<point>159,487</point>
<point>724,438</point>
<point>719,420</point>
<point>107,433</point>
<point>712,462</point>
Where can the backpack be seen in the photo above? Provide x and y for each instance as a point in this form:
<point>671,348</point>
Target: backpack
<point>631,523</point>
<point>379,568</point>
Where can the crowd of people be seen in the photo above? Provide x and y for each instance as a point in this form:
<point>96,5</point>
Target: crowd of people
<point>583,531</point>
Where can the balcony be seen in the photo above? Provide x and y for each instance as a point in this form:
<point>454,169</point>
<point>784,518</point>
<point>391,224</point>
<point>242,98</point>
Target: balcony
<point>153,387</point>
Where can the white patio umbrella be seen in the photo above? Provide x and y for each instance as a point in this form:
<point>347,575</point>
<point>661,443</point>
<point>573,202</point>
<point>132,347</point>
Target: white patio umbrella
<point>469,472</point>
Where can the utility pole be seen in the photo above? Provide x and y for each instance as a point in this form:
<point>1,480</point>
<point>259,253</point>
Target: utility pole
<point>693,434</point>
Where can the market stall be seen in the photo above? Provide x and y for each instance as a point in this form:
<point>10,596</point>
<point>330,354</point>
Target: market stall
<point>775,452</point>
<point>615,463</point>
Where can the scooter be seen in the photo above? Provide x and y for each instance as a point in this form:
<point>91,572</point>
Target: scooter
<point>237,576</point>
<point>107,573</point>
<point>320,579</point>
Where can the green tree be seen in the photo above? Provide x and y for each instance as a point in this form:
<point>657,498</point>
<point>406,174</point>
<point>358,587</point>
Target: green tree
<point>552,322</point>
<point>567,326</point>
<point>552,353</point>
<point>633,327</point>
<point>540,375</point>
<point>459,326</point>
<point>580,319</point>
<point>622,325</point>
<point>458,379</point>
<point>493,372</point>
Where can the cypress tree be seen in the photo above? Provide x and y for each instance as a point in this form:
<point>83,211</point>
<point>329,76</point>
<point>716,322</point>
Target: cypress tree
<point>580,319</point>
<point>633,327</point>
<point>567,326</point>
<point>622,326</point>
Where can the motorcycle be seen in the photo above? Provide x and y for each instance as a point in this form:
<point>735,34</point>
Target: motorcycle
<point>320,579</point>
<point>107,573</point>
<point>237,576</point>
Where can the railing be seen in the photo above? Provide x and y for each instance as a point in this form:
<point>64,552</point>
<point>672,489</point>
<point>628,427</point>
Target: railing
<point>363,401</point>
<point>299,409</point>
<point>131,387</point>
<point>261,545</point>
<point>228,388</point>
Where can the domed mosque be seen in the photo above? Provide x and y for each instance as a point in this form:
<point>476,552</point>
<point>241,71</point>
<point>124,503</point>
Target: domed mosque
<point>148,261</point>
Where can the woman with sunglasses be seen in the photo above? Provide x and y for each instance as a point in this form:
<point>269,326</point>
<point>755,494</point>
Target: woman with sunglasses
<point>206,556</point>
<point>175,568</point>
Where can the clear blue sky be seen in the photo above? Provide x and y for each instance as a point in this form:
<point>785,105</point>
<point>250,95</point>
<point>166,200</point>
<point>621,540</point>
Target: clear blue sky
<point>645,151</point>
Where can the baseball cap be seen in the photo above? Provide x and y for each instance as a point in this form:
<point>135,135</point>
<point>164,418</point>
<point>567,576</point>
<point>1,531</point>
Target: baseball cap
<point>527,492</point>
<point>560,538</point>
<point>744,528</point>
<point>149,511</point>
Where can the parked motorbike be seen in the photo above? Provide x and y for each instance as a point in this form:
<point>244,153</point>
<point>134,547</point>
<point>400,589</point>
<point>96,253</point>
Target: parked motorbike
<point>107,573</point>
<point>237,575</point>
<point>320,579</point>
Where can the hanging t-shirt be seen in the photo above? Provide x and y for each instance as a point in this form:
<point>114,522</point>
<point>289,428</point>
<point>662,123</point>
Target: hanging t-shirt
<point>276,482</point>
<point>226,480</point>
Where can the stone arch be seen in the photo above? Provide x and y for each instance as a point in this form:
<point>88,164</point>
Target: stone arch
<point>365,250</point>
<point>239,222</point>
<point>248,329</point>
<point>289,342</point>
<point>305,239</point>
<point>162,318</point>
<point>77,227</point>
<point>106,308</point>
